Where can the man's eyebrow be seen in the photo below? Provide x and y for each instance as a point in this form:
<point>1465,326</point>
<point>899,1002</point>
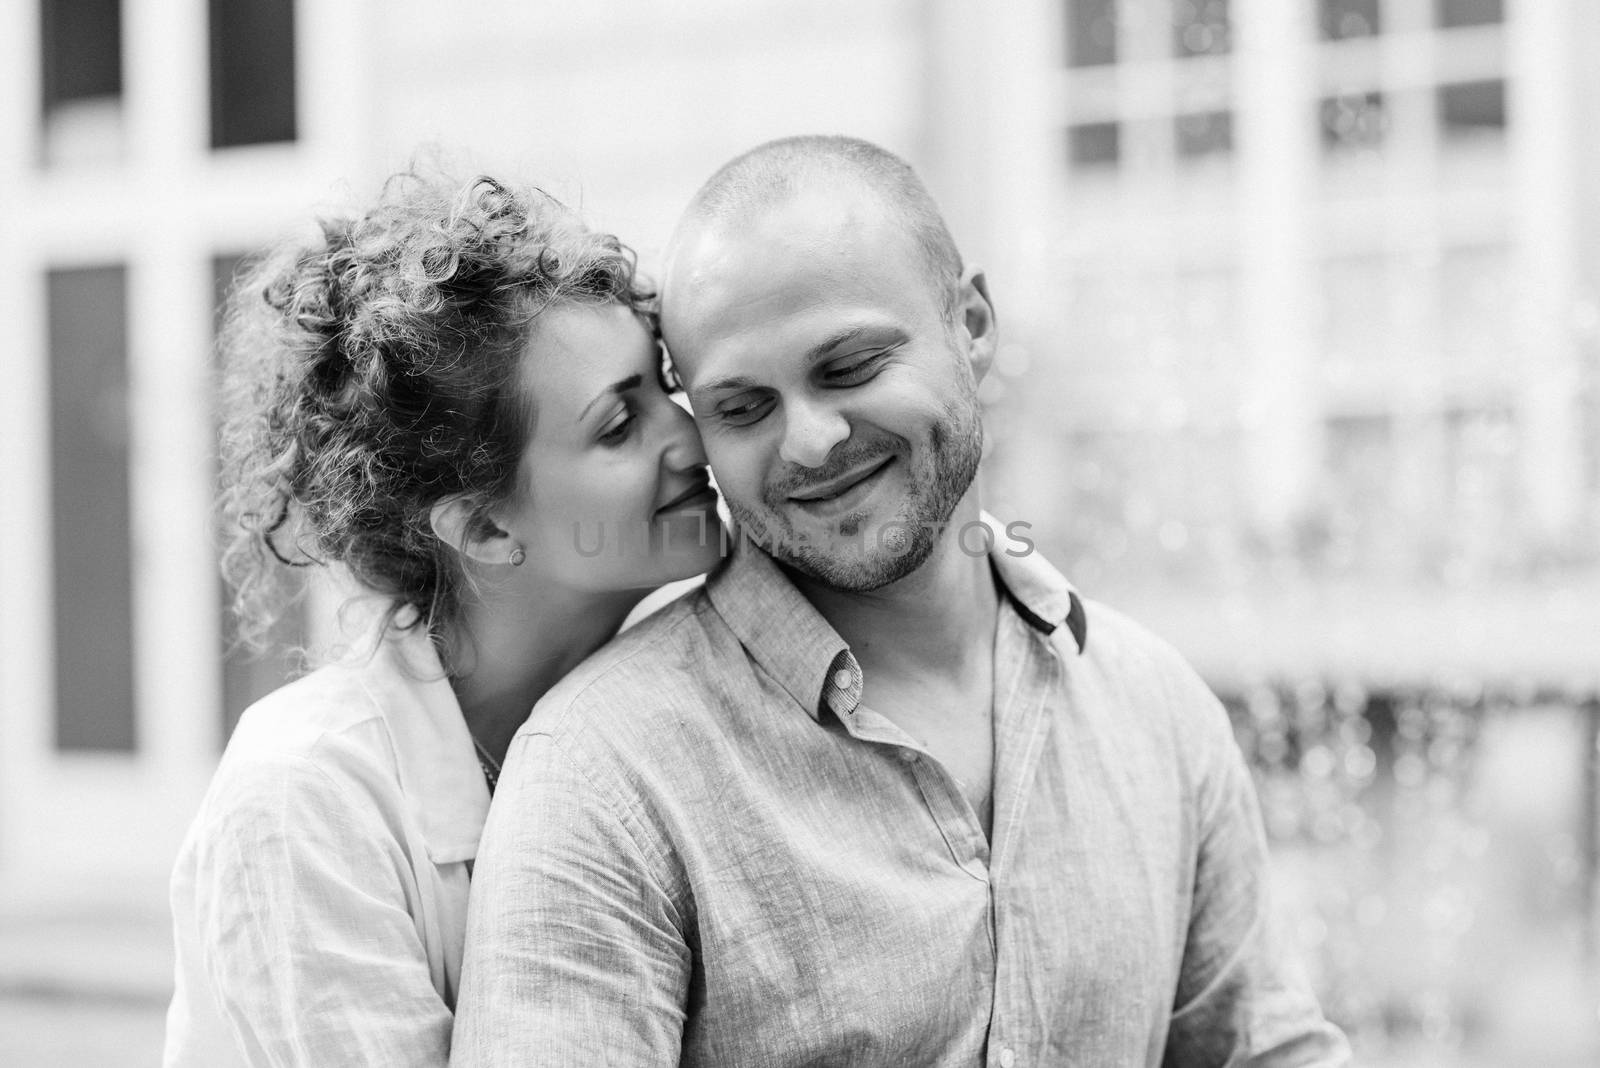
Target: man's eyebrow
<point>631,382</point>
<point>844,336</point>
<point>826,347</point>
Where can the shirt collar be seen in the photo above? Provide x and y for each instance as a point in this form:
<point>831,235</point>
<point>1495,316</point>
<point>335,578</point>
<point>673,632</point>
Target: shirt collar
<point>778,627</point>
<point>792,643</point>
<point>1040,594</point>
<point>438,763</point>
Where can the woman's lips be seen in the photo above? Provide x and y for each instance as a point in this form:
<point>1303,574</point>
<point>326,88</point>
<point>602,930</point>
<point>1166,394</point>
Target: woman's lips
<point>702,496</point>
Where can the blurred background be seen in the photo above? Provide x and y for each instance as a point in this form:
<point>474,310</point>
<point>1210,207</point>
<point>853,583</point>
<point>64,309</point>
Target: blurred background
<point>1301,301</point>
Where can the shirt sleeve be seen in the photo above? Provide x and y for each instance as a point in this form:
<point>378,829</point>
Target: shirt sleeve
<point>575,952</point>
<point>1241,999</point>
<point>305,928</point>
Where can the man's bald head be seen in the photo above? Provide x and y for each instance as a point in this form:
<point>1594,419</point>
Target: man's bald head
<point>772,173</point>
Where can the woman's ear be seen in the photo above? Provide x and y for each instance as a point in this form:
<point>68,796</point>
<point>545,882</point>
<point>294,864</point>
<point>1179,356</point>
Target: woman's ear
<point>976,319</point>
<point>460,524</point>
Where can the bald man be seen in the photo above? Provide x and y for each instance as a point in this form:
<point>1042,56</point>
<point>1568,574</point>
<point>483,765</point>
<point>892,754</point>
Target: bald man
<point>885,791</point>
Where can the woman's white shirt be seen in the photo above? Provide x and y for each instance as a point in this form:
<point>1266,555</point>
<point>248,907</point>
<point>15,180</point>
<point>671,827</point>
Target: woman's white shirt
<point>320,898</point>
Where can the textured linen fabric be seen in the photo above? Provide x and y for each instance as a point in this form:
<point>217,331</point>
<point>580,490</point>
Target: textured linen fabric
<point>706,850</point>
<point>319,901</point>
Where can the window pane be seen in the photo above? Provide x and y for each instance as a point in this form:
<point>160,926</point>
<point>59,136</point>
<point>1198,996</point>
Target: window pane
<point>1093,144</point>
<point>1200,27</point>
<point>82,46</point>
<point>90,512</point>
<point>1205,134</point>
<point>252,72</point>
<point>1472,108</point>
<point>1348,18</point>
<point>1453,13</point>
<point>1091,32</point>
<point>1353,121</point>
<point>246,678</point>
<point>80,66</point>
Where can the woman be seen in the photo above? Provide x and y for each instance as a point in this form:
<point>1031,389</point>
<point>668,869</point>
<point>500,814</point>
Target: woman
<point>455,401</point>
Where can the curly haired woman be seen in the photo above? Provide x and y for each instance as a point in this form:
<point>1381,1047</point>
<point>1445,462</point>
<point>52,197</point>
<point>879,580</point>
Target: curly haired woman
<point>455,401</point>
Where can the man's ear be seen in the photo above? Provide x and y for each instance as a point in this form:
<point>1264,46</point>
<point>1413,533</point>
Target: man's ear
<point>459,523</point>
<point>975,320</point>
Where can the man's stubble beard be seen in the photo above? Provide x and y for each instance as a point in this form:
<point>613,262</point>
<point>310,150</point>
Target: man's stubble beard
<point>950,463</point>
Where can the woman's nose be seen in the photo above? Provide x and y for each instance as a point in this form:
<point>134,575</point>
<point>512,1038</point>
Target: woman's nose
<point>684,449</point>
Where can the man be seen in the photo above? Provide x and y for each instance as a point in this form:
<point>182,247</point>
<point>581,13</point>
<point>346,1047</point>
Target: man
<point>874,796</point>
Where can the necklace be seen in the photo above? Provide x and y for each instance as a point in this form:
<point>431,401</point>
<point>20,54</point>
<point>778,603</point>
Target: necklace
<point>490,766</point>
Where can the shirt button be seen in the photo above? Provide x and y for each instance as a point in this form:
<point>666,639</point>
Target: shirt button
<point>842,678</point>
<point>1008,1057</point>
<point>908,755</point>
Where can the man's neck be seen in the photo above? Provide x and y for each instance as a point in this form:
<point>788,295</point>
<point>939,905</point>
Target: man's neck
<point>939,619</point>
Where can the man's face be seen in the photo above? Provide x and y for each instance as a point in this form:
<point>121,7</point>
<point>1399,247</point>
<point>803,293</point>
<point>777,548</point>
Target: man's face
<point>837,403</point>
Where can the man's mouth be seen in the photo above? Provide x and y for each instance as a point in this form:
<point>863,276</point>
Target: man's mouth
<point>842,492</point>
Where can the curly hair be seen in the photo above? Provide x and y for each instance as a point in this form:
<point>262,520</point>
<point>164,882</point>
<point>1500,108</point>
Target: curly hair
<point>374,372</point>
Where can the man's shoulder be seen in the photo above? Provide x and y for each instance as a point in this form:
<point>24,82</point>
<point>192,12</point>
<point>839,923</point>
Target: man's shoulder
<point>1136,667</point>
<point>665,663</point>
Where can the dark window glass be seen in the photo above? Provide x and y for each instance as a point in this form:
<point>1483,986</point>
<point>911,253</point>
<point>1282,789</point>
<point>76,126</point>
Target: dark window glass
<point>82,50</point>
<point>1200,27</point>
<point>1094,144</point>
<point>1453,13</point>
<point>90,510</point>
<point>1472,108</point>
<point>248,677</point>
<point>1353,121</point>
<point>1341,19</point>
<point>1205,134</point>
<point>252,72</point>
<point>1091,32</point>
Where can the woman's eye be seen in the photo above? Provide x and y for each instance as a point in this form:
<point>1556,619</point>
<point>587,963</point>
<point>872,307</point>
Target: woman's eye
<point>616,431</point>
<point>742,411</point>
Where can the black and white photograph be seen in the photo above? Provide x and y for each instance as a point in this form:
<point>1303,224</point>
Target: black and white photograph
<point>755,534</point>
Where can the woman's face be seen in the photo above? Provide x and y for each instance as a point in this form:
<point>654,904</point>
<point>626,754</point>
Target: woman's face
<point>615,494</point>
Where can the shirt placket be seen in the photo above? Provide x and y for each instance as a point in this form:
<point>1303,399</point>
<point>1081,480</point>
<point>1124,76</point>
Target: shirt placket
<point>1027,674</point>
<point>951,811</point>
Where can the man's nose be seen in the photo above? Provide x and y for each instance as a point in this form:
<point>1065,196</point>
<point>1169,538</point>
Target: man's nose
<point>810,432</point>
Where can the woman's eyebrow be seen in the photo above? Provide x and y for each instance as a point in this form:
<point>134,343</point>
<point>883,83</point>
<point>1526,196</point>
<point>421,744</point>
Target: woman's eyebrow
<point>631,382</point>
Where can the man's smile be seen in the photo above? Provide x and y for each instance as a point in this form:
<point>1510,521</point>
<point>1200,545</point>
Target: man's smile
<point>838,495</point>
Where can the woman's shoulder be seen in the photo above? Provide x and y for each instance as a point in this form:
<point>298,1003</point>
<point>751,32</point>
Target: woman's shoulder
<point>306,716</point>
<point>321,738</point>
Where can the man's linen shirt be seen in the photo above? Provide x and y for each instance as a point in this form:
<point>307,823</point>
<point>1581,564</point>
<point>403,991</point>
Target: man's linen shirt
<point>705,846</point>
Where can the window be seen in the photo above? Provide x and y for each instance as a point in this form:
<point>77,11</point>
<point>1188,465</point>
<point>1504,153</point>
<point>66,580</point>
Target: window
<point>1094,144</point>
<point>1453,13</point>
<point>1200,28</point>
<point>81,75</point>
<point>1091,32</point>
<point>1353,121</point>
<point>1471,109</point>
<point>1206,134</point>
<point>246,678</point>
<point>1343,19</point>
<point>90,509</point>
<point>252,72</point>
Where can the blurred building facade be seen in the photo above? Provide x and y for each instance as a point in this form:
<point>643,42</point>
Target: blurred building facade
<point>1299,299</point>
<point>1317,314</point>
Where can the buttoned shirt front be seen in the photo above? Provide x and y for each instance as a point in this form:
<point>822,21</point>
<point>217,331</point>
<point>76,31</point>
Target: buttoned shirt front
<point>320,898</point>
<point>706,849</point>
